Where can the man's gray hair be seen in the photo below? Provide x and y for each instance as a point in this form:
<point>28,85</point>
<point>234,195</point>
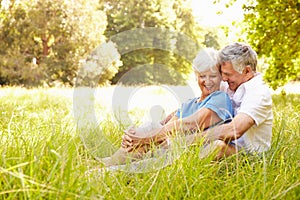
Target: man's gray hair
<point>240,55</point>
<point>206,59</point>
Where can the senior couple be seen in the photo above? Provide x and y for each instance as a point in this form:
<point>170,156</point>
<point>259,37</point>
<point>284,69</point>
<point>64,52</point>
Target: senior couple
<point>231,115</point>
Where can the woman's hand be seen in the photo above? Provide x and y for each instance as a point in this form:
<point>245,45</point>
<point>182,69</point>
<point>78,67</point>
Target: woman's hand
<point>133,142</point>
<point>126,142</point>
<point>132,134</point>
<point>131,130</point>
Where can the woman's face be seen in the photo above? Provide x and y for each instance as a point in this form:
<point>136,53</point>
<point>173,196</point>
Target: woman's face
<point>209,81</point>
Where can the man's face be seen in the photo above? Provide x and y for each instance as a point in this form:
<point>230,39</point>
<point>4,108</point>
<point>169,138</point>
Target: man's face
<point>232,77</point>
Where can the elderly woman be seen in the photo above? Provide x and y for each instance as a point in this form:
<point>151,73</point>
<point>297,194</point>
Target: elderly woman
<point>212,107</point>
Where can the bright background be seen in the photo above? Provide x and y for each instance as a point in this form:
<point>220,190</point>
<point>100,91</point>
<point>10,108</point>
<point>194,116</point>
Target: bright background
<point>210,14</point>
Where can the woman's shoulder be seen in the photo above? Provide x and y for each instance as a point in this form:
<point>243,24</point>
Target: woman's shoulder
<point>218,94</point>
<point>221,99</point>
<point>192,100</point>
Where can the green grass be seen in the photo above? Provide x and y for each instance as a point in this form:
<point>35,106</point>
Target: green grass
<point>42,157</point>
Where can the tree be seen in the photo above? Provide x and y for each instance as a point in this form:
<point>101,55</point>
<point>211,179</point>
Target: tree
<point>43,40</point>
<point>273,29</point>
<point>125,15</point>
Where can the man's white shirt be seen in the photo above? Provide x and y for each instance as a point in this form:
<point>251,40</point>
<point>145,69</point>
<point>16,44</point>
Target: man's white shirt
<point>254,99</point>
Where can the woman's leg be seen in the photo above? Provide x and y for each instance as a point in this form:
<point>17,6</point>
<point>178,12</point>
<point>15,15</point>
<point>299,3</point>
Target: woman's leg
<point>121,156</point>
<point>201,119</point>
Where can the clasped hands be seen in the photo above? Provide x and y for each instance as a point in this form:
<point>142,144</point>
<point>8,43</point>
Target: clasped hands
<point>132,141</point>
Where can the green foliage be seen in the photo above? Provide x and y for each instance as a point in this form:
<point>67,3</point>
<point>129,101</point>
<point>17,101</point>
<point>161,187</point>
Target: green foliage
<point>172,15</point>
<point>211,40</point>
<point>43,41</point>
<point>43,158</point>
<point>273,29</point>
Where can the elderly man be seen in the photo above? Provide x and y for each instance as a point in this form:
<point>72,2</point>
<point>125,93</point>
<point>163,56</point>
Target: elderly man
<point>251,128</point>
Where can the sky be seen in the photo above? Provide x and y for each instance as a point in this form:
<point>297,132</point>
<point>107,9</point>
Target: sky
<point>206,12</point>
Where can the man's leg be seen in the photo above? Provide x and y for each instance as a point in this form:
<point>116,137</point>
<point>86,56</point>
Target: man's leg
<point>225,150</point>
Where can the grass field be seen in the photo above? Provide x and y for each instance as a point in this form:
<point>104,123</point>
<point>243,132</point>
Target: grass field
<point>42,157</point>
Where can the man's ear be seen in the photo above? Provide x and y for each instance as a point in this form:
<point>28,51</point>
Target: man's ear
<point>248,72</point>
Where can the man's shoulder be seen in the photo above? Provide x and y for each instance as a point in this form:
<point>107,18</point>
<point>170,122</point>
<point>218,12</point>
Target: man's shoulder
<point>256,81</point>
<point>257,86</point>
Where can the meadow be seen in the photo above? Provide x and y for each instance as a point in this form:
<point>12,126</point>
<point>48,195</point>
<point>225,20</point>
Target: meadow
<point>43,157</point>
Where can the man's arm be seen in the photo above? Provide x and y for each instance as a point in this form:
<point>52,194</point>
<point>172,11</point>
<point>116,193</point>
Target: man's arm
<point>225,132</point>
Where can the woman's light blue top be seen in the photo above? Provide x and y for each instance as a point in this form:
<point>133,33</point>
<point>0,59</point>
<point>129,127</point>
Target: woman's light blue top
<point>218,102</point>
